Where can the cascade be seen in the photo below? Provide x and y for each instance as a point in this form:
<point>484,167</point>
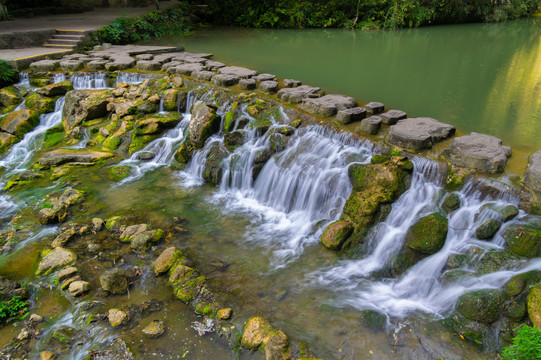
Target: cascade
<point>59,77</point>
<point>131,78</point>
<point>92,80</point>
<point>24,79</point>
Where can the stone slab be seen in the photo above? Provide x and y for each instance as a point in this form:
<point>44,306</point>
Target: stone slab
<point>419,133</point>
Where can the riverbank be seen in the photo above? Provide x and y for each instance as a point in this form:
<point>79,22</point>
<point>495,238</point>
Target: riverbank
<point>285,171</point>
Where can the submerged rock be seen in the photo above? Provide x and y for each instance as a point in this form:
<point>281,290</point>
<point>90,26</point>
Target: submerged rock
<point>256,332</point>
<point>166,260</point>
<point>419,133</point>
<point>155,329</point>
<point>117,281</point>
<point>117,317</point>
<point>478,151</point>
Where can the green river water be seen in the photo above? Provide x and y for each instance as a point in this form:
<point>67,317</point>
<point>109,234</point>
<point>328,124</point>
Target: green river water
<point>477,77</point>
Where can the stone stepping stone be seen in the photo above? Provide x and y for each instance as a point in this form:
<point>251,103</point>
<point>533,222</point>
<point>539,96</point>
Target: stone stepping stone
<point>144,57</point>
<point>203,75</point>
<point>43,66</point>
<point>167,66</point>
<point>297,94</point>
<point>247,84</point>
<point>478,151</point>
<point>375,107</point>
<point>290,83</point>
<point>120,64</point>
<point>391,117</point>
<point>96,65</point>
<point>371,125</point>
<point>214,65</point>
<point>264,77</point>
<point>225,80</point>
<point>186,69</point>
<point>241,72</point>
<point>532,176</point>
<point>191,60</point>
<point>148,65</point>
<point>348,116</point>
<point>419,133</point>
<point>328,105</point>
<point>71,65</point>
<point>268,86</point>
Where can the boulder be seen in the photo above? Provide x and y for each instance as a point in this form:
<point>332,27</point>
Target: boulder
<point>71,65</point>
<point>203,124</point>
<point>264,77</point>
<point>391,117</point>
<point>203,75</point>
<point>532,176</point>
<point>451,202</point>
<point>166,259</point>
<point>57,89</point>
<point>336,235</point>
<point>534,305</point>
<point>234,139</point>
<point>487,229</point>
<point>18,123</point>
<point>296,95</point>
<point>117,317</point>
<point>257,332</point>
<point>155,329</point>
<point>419,133</point>
<point>348,116</point>
<point>277,348</point>
<point>290,83</point>
<point>247,84</point>
<point>156,124</point>
<point>42,67</point>
<point>65,156</point>
<point>186,69</point>
<point>214,65</point>
<point>428,234</point>
<point>66,273</point>
<point>375,107</point>
<point>225,80</point>
<point>9,96</point>
<point>240,72</point>
<point>518,283</point>
<point>78,288</point>
<point>328,105</point>
<point>117,281</point>
<point>523,240</point>
<point>371,125</point>
<point>55,259</point>
<point>149,65</point>
<point>120,63</point>
<point>84,105</point>
<point>212,173</point>
<point>41,104</point>
<point>478,151</point>
<point>96,65</point>
<point>481,305</point>
<point>269,86</point>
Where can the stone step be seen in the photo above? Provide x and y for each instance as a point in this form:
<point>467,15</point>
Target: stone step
<point>62,42</point>
<point>70,32</point>
<point>65,47</point>
<point>68,37</point>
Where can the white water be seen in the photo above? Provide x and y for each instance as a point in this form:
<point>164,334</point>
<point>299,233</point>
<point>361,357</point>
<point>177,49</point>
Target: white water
<point>92,80</point>
<point>131,78</point>
<point>58,78</point>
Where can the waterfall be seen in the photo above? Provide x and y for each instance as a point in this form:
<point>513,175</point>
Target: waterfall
<point>24,79</point>
<point>58,78</point>
<point>83,142</point>
<point>92,80</point>
<point>131,78</point>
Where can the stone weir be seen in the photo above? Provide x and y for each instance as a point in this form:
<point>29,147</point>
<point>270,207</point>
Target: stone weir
<point>120,120</point>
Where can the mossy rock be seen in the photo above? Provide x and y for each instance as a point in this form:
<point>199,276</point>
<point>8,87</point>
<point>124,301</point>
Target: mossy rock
<point>41,104</point>
<point>516,310</point>
<point>507,212</point>
<point>53,136</point>
<point>481,305</point>
<point>519,283</point>
<point>257,332</point>
<point>456,177</point>
<point>336,235</point>
<point>212,172</point>
<point>534,305</point>
<point>472,331</point>
<point>523,240</point>
<point>120,172</point>
<point>183,154</point>
<point>487,229</point>
<point>379,159</point>
<point>9,96</point>
<point>451,202</point>
<point>428,234</point>
<point>373,320</point>
<point>405,259</point>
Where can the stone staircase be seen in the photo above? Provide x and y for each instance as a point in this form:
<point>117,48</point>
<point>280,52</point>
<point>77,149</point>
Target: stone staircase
<point>66,39</point>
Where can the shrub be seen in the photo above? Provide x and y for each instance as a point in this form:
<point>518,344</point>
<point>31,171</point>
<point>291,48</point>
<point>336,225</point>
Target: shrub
<point>8,75</point>
<point>526,345</point>
<point>13,309</point>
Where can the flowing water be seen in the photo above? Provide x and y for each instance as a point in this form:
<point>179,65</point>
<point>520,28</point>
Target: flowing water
<point>258,240</point>
<point>478,77</point>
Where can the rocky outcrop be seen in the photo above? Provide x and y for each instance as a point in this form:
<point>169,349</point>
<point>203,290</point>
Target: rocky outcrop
<point>418,133</point>
<point>203,124</point>
<point>57,89</point>
<point>18,123</point>
<point>375,187</point>
<point>84,105</point>
<point>484,306</point>
<point>68,156</point>
<point>328,105</point>
<point>478,151</point>
<point>41,104</point>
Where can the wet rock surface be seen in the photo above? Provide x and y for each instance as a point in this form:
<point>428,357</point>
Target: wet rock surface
<point>419,133</point>
<point>328,105</point>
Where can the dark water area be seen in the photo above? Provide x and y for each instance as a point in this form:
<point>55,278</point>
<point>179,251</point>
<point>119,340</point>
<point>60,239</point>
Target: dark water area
<point>478,77</point>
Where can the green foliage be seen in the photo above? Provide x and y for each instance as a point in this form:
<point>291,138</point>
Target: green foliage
<point>13,309</point>
<point>373,14</point>
<point>8,75</point>
<point>124,30</point>
<point>526,345</point>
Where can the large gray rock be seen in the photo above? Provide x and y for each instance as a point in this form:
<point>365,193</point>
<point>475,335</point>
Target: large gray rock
<point>391,117</point>
<point>213,65</point>
<point>55,259</point>
<point>64,156</point>
<point>478,151</point>
<point>203,75</point>
<point>532,176</point>
<point>328,105</point>
<point>83,105</point>
<point>292,83</point>
<point>269,86</point>
<point>375,107</point>
<point>264,77</point>
<point>186,69</point>
<point>348,116</point>
<point>203,124</point>
<point>371,125</point>
<point>225,79</point>
<point>419,133</point>
<point>120,64</point>
<point>241,72</point>
<point>71,65</point>
<point>295,95</point>
<point>148,65</point>
<point>96,65</point>
<point>43,67</point>
<point>247,84</point>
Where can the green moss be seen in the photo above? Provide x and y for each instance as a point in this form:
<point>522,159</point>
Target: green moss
<point>481,305</point>
<point>428,235</point>
<point>111,143</point>
<point>523,240</point>
<point>117,173</point>
<point>53,136</point>
<point>40,82</point>
<point>336,235</point>
<point>379,159</point>
<point>296,123</point>
<point>40,103</point>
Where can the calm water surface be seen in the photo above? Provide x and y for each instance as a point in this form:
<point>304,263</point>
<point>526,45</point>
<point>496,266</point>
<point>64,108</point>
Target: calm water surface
<point>478,77</point>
